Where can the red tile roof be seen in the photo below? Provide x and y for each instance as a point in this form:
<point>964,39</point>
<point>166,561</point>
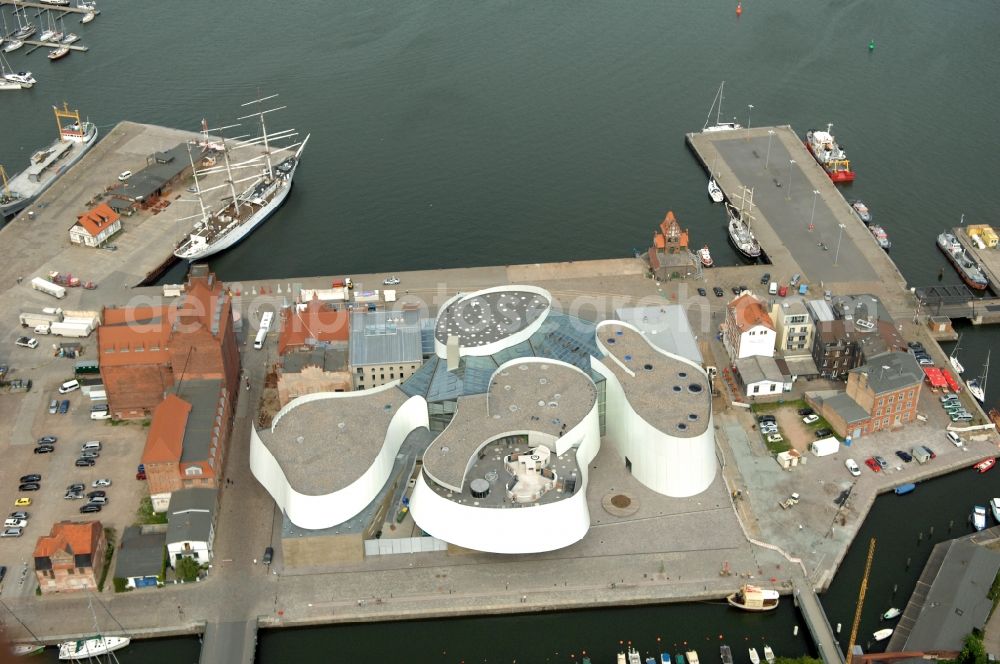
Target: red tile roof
<point>97,219</point>
<point>79,539</point>
<point>126,330</point>
<point>316,320</point>
<point>165,441</point>
<point>748,311</point>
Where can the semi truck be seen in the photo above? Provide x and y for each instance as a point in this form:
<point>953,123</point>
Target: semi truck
<point>71,329</point>
<point>46,316</point>
<point>55,290</point>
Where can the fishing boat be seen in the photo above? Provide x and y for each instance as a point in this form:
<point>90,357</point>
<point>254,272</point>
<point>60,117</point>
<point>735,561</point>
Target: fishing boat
<point>978,517</point>
<point>880,236</point>
<point>705,256</point>
<point>726,654</point>
<point>768,654</point>
<point>754,598</point>
<point>57,53</point>
<point>26,649</point>
<point>882,634</point>
<point>633,656</point>
<point>665,658</point>
<point>985,464</point>
<point>215,232</point>
<point>93,646</point>
<point>953,358</point>
<point>891,614</point>
<point>715,191</point>
<point>717,107</point>
<point>831,156</point>
<point>754,657</point>
<point>862,211</point>
<point>692,656</point>
<point>904,489</point>
<point>740,234</point>
<point>967,269</point>
<point>977,386</point>
<point>46,165</point>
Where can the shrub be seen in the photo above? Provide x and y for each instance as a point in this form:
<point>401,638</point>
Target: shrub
<point>121,584</point>
<point>187,569</point>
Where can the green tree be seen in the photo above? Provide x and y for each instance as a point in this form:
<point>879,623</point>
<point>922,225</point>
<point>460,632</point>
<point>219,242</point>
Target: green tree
<point>797,660</point>
<point>187,569</point>
<point>974,652</point>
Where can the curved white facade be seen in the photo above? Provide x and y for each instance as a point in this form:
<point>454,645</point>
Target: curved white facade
<point>316,512</point>
<point>514,338</point>
<point>671,465</point>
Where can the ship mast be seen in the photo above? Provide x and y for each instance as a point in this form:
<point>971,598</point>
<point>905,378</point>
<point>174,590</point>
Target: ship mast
<point>263,128</point>
<point>3,176</point>
<point>197,186</point>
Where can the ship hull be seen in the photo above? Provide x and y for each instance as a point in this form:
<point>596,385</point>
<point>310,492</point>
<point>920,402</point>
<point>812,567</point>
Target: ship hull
<point>971,283</point>
<point>838,177</point>
<point>238,234</point>
<point>12,208</point>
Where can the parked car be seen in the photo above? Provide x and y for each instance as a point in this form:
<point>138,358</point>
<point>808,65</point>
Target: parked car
<point>124,175</point>
<point>765,279</point>
<point>774,438</point>
<point>806,411</point>
<point>3,573</point>
<point>852,467</point>
<point>101,482</point>
<point>47,440</point>
<point>53,407</point>
<point>99,500</point>
<point>89,454</point>
<point>390,281</point>
<point>11,532</point>
<point>23,501</point>
<point>97,494</point>
<point>702,292</point>
<point>905,456</point>
<point>915,345</point>
<point>21,514</point>
<point>64,407</point>
<point>29,486</point>
<point>954,438</point>
<point>718,291</point>
<point>873,464</point>
<point>76,487</point>
<point>925,361</point>
<point>882,463</point>
<point>810,419</point>
<point>73,495</point>
<point>823,433</point>
<point>89,507</point>
<point>27,342</point>
<point>44,449</point>
<point>34,477</point>
<point>768,427</point>
<point>15,523</point>
<point>929,451</point>
<point>84,462</point>
<point>766,418</point>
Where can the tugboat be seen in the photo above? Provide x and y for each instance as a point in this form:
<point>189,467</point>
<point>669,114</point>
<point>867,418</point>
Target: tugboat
<point>830,156</point>
<point>754,598</point>
<point>860,209</point>
<point>881,236</point>
<point>705,256</point>
<point>967,268</point>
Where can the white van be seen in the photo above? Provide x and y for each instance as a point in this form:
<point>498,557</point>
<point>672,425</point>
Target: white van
<point>954,438</point>
<point>773,288</point>
<point>100,413</point>
<point>91,446</point>
<point>42,329</point>
<point>69,386</point>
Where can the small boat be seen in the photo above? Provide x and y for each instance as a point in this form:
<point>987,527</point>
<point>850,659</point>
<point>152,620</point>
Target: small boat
<point>985,464</point>
<point>862,211</point>
<point>692,656</point>
<point>665,658</point>
<point>69,38</point>
<point>88,17</point>
<point>904,489</point>
<point>57,53</point>
<point>882,634</point>
<point>768,655</point>
<point>754,598</point>
<point>621,658</point>
<point>891,613</point>
<point>92,647</point>
<point>705,256</point>
<point>9,85</point>
<point>650,660</point>
<point>978,517</point>
<point>25,649</point>
<point>679,658</point>
<point>726,654</point>
<point>47,35</point>
<point>715,191</point>
<point>977,386</point>
<point>717,107</point>
<point>633,656</point>
<point>995,508</point>
<point>754,657</point>
<point>880,236</point>
<point>12,45</point>
<point>23,77</point>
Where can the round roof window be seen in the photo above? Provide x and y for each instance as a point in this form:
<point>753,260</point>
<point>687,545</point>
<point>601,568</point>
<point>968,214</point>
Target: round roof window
<point>695,387</point>
<point>677,388</point>
<point>681,426</point>
<point>647,367</point>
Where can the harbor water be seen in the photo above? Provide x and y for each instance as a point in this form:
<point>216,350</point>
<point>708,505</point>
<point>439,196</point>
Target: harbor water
<point>450,133</point>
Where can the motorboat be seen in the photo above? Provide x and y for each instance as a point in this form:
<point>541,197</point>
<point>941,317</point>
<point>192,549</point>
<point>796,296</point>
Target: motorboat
<point>23,77</point>
<point>985,464</point>
<point>621,658</point>
<point>665,658</point>
<point>768,655</point>
<point>995,508</point>
<point>705,256</point>
<point>880,236</point>
<point>650,660</point>
<point>754,598</point>
<point>754,657</point>
<point>904,489</point>
<point>715,191</point>
<point>726,654</point>
<point>92,647</point>
<point>891,613</point>
<point>25,649</point>
<point>633,656</point>
<point>978,517</point>
<point>860,209</point>
<point>882,634</point>
<point>57,53</point>
<point>692,656</point>
<point>88,17</point>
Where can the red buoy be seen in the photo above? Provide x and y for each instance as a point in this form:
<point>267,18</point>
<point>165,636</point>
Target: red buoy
<point>739,8</point>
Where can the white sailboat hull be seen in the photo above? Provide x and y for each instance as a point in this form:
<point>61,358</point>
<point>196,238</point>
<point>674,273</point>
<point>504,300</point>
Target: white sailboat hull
<point>92,647</point>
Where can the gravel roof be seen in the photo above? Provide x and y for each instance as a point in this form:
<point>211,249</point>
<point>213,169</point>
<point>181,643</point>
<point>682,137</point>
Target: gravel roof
<point>669,393</point>
<point>486,318</point>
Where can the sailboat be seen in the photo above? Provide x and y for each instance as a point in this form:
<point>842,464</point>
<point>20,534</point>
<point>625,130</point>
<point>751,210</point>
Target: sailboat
<point>955,364</point>
<point>93,647</point>
<point>215,232</point>
<point>739,227</point>
<point>67,37</point>
<point>977,386</point>
<point>717,107</point>
<point>23,31</point>
<point>715,191</point>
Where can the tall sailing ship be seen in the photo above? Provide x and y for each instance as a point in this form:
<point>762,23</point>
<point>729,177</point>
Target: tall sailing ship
<point>47,164</point>
<point>246,210</point>
<point>739,226</point>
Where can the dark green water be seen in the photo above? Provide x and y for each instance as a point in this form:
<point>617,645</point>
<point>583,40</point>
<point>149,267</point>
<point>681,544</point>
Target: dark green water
<point>449,133</point>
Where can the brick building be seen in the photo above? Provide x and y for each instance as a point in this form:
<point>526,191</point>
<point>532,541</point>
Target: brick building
<point>748,329</point>
<point>314,323</point>
<point>144,351</point>
<point>70,557</point>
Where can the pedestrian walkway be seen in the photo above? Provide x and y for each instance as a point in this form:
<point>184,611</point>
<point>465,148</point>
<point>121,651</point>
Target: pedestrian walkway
<point>815,617</point>
<point>229,643</point>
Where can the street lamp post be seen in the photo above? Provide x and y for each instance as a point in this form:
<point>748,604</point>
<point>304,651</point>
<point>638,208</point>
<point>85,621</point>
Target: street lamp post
<point>791,164</point>
<point>770,135</point>
<point>840,235</point>
<point>749,111</point>
<point>812,216</point>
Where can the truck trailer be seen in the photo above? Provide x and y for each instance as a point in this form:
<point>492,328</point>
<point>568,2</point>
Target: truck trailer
<point>52,289</point>
<point>46,316</point>
<point>70,329</point>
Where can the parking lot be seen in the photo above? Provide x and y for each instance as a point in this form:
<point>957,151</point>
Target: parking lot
<point>28,418</point>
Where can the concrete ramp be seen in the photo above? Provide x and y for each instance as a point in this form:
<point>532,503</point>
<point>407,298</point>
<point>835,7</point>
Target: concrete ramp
<point>229,642</point>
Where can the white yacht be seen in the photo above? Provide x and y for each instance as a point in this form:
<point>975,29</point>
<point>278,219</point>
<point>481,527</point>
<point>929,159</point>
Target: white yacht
<point>715,191</point>
<point>94,646</point>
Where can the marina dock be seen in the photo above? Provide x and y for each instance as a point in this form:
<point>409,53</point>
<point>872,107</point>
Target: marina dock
<point>68,9</point>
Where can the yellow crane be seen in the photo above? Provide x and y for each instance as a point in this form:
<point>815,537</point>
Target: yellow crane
<point>861,600</point>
